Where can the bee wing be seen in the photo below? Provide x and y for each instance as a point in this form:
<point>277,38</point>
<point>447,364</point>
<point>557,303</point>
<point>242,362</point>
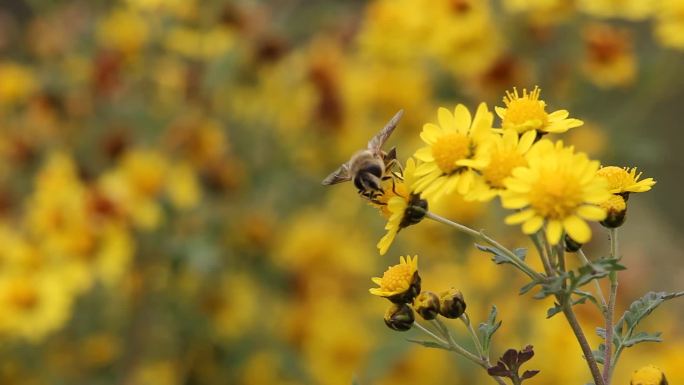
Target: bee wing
<point>378,140</point>
<point>338,176</point>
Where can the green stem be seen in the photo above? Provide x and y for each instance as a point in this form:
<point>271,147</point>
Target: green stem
<point>466,321</point>
<point>455,347</point>
<point>584,344</point>
<point>514,259</point>
<point>575,326</point>
<point>599,291</point>
<point>608,359</point>
<point>431,334</point>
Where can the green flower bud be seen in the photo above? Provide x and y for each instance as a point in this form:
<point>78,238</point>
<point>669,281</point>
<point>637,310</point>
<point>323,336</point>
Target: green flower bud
<point>399,317</point>
<point>427,305</point>
<point>451,303</point>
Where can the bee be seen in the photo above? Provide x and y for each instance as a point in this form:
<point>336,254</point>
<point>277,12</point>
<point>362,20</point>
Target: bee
<point>367,168</point>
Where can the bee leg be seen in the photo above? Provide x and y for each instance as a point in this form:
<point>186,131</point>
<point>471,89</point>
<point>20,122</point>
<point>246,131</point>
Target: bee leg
<point>392,164</point>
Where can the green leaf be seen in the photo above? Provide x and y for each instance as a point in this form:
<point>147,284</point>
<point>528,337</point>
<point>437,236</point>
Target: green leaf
<point>521,252</point>
<point>600,354</point>
<point>554,310</point>
<point>640,309</point>
<point>497,256</point>
<point>428,344</point>
<point>487,329</point>
<point>528,287</point>
<point>642,337</point>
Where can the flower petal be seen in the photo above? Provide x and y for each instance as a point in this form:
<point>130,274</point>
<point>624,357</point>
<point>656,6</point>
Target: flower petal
<point>577,228</point>
<point>554,230</point>
<point>591,213</point>
<point>532,225</point>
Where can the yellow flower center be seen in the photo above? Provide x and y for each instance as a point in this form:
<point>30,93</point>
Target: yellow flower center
<point>501,166</point>
<point>618,178</point>
<point>449,149</point>
<point>525,108</point>
<point>397,278</point>
<point>22,296</point>
<point>555,195</point>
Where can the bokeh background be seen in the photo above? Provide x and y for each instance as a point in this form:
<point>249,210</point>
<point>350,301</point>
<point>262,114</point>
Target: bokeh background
<point>162,220</point>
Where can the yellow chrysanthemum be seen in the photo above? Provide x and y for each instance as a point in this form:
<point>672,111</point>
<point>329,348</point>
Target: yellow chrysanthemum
<point>453,153</point>
<point>397,279</point>
<point>625,180</point>
<point>506,152</point>
<point>648,375</point>
<point>527,112</point>
<point>559,189</point>
<point>398,203</point>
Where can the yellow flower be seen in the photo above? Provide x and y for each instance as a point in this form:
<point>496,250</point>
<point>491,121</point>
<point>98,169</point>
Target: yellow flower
<point>627,9</point>
<point>560,189</point>
<point>526,112</point>
<point>669,18</point>
<point>400,206</point>
<point>648,375</point>
<point>33,305</point>
<point>17,82</point>
<point>453,153</point>
<point>609,57</point>
<point>625,180</point>
<point>506,152</point>
<point>400,283</point>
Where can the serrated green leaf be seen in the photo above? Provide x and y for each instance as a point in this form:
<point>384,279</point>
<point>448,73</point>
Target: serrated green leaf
<point>641,308</point>
<point>488,328</point>
<point>642,337</point>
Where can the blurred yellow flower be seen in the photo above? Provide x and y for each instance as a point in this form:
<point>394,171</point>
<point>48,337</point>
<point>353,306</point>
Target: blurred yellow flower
<point>625,9</point>
<point>559,189</point>
<point>17,82</point>
<point>454,152</point>
<point>33,305</point>
<point>183,186</point>
<point>200,45</point>
<point>124,30</point>
<point>527,112</point>
<point>609,60</point>
<point>648,375</point>
<point>669,23</point>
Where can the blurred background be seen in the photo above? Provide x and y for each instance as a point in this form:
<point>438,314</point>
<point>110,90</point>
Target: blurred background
<point>161,214</point>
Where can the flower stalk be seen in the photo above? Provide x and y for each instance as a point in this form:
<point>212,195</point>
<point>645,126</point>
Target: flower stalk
<point>608,366</point>
<point>514,259</point>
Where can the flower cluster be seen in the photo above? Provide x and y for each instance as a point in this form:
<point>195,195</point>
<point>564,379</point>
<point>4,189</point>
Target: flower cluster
<point>553,188</point>
<point>401,285</point>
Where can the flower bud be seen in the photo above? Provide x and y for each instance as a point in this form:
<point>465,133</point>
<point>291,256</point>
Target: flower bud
<point>399,317</point>
<point>427,305</point>
<point>616,207</point>
<point>648,375</point>
<point>451,303</point>
<point>571,246</point>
